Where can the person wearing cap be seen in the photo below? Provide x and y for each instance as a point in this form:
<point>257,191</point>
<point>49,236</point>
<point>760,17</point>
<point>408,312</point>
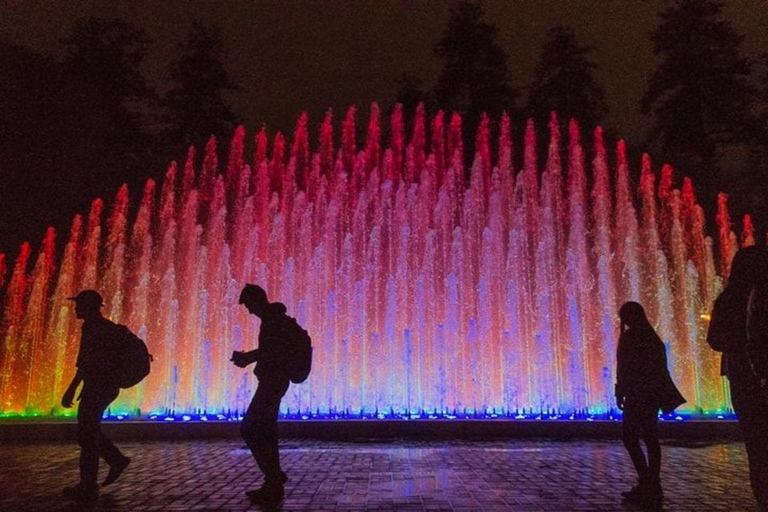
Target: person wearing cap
<point>96,367</point>
<point>259,427</point>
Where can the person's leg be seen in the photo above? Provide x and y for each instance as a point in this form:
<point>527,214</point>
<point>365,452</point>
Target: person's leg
<point>107,450</point>
<point>259,428</point>
<point>650,433</point>
<point>266,441</point>
<point>653,495</point>
<point>89,415</point>
<point>752,411</point>
<point>631,437</point>
<point>249,426</point>
<point>757,448</point>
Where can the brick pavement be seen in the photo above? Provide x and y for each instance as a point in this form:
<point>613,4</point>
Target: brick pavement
<point>409,476</point>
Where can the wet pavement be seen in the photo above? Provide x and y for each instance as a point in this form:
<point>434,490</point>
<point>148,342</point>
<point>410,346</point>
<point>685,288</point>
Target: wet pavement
<point>520,475</point>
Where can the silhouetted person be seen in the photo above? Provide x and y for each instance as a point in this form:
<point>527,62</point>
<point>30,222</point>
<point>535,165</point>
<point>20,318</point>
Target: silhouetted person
<point>756,415</point>
<point>97,364</point>
<point>259,427</point>
<point>643,387</point>
<point>728,334</point>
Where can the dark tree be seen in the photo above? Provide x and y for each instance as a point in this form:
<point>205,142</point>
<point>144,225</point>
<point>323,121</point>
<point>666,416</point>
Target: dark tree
<point>105,55</point>
<point>196,105</point>
<point>38,149</point>
<point>749,192</point>
<point>410,93</point>
<point>71,129</point>
<point>700,94</point>
<point>474,77</point>
<point>564,83</point>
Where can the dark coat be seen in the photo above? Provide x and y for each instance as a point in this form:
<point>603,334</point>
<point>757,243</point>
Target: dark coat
<point>757,329</point>
<point>271,361</point>
<point>728,333</point>
<point>642,374</point>
<point>97,358</point>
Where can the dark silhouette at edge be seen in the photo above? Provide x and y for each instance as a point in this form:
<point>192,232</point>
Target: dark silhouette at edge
<point>728,334</point>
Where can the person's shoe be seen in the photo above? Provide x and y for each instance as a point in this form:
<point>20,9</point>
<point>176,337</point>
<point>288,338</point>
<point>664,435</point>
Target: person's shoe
<point>81,493</point>
<point>269,495</point>
<point>654,496</point>
<point>279,480</point>
<point>269,482</point>
<point>634,495</point>
<point>116,470</point>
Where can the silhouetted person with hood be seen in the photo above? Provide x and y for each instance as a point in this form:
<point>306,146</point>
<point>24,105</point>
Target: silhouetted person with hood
<point>728,334</point>
<point>259,427</point>
<point>643,387</point>
<point>97,363</point>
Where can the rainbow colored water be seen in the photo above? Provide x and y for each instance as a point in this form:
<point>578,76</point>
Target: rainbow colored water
<point>423,291</point>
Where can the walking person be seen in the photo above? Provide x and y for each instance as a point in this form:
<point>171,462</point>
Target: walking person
<point>728,334</point>
<point>643,387</point>
<point>756,412</point>
<point>97,369</point>
<point>277,365</point>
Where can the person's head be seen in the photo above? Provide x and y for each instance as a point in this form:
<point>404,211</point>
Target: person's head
<point>750,265</point>
<point>254,298</point>
<point>632,316</point>
<point>87,304</point>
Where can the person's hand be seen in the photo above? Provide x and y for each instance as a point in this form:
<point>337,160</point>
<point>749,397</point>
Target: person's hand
<point>620,402</point>
<point>240,359</point>
<point>68,398</point>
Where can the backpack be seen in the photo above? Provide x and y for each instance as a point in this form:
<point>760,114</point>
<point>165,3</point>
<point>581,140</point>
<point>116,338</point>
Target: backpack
<point>298,361</point>
<point>728,323</point>
<point>134,358</point>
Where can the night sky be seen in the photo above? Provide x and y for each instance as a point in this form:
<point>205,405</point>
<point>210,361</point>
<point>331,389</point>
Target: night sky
<point>311,55</point>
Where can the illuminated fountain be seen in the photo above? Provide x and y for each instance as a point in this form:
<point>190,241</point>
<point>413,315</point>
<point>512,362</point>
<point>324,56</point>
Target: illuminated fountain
<point>425,292</point>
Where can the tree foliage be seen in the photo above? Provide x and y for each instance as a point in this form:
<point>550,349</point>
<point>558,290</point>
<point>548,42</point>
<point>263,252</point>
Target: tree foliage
<point>700,94</point>
<point>196,106</point>
<point>108,53</point>
<point>73,129</point>
<point>564,82</point>
<point>105,57</point>
<point>410,94</point>
<point>474,77</point>
<point>750,188</point>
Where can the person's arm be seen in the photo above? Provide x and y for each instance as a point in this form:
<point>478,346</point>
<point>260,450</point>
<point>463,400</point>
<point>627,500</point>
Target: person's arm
<point>619,390</point>
<point>663,368</point>
<point>243,359</point>
<point>757,331</point>
<point>252,356</point>
<point>69,394</point>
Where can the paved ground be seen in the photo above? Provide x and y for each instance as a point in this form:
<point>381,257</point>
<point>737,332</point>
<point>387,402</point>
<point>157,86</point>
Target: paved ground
<point>408,476</point>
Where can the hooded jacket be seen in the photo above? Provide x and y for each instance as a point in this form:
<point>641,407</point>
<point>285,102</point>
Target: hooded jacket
<point>271,354</point>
